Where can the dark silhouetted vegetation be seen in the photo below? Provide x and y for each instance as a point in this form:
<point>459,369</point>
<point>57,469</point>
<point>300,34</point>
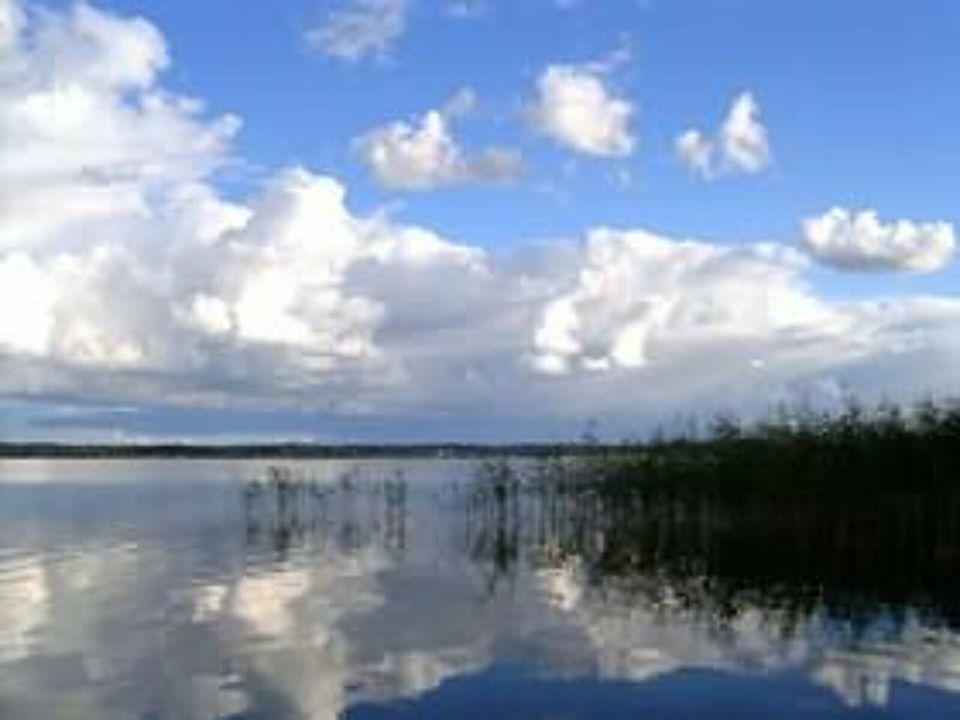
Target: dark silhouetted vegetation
<point>850,560</point>
<point>883,450</point>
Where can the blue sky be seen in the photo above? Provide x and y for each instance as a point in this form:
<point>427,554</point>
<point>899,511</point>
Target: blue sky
<point>854,106</point>
<point>860,96</point>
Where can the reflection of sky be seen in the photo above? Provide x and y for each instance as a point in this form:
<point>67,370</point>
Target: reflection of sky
<point>160,599</point>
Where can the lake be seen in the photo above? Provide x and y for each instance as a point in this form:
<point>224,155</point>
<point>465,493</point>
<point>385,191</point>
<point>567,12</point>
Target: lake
<point>422,589</point>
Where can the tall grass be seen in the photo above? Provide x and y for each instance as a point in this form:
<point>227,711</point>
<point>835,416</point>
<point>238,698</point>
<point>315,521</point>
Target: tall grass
<point>885,449</point>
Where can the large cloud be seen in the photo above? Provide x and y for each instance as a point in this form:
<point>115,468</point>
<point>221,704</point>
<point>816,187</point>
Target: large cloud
<point>637,295</point>
<point>87,135</point>
<point>860,241</point>
<point>10,20</point>
<point>130,279</point>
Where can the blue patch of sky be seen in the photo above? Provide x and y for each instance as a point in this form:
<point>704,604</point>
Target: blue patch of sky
<point>861,98</point>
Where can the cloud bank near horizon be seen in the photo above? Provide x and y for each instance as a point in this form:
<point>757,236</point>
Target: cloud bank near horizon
<point>127,277</point>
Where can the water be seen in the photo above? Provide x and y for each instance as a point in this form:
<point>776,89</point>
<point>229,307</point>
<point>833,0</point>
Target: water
<point>411,590</point>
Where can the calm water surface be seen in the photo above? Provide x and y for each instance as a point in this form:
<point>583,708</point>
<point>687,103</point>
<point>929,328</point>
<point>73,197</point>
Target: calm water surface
<point>420,590</point>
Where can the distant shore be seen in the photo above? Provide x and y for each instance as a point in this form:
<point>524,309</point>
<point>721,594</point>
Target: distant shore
<point>887,449</point>
<point>294,451</point>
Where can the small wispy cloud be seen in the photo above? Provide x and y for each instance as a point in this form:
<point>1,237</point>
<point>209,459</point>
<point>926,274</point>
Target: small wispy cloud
<point>740,146</point>
<point>467,9</point>
<point>424,154</point>
<point>360,30</point>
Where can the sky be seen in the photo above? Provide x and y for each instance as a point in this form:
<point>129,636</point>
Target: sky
<point>408,220</point>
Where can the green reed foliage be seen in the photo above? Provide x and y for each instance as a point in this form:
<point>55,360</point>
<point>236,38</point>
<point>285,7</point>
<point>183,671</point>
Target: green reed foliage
<point>884,449</point>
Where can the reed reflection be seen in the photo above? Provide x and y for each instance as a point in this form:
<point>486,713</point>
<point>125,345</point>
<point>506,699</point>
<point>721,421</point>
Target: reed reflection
<point>887,557</point>
<point>623,586</point>
<point>289,512</point>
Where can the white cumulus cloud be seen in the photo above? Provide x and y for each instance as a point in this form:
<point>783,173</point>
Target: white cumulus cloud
<point>635,295</point>
<point>860,241</point>
<point>575,107</point>
<point>128,278</point>
<point>11,18</point>
<point>86,131</point>
<point>425,154</point>
<point>741,145</point>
